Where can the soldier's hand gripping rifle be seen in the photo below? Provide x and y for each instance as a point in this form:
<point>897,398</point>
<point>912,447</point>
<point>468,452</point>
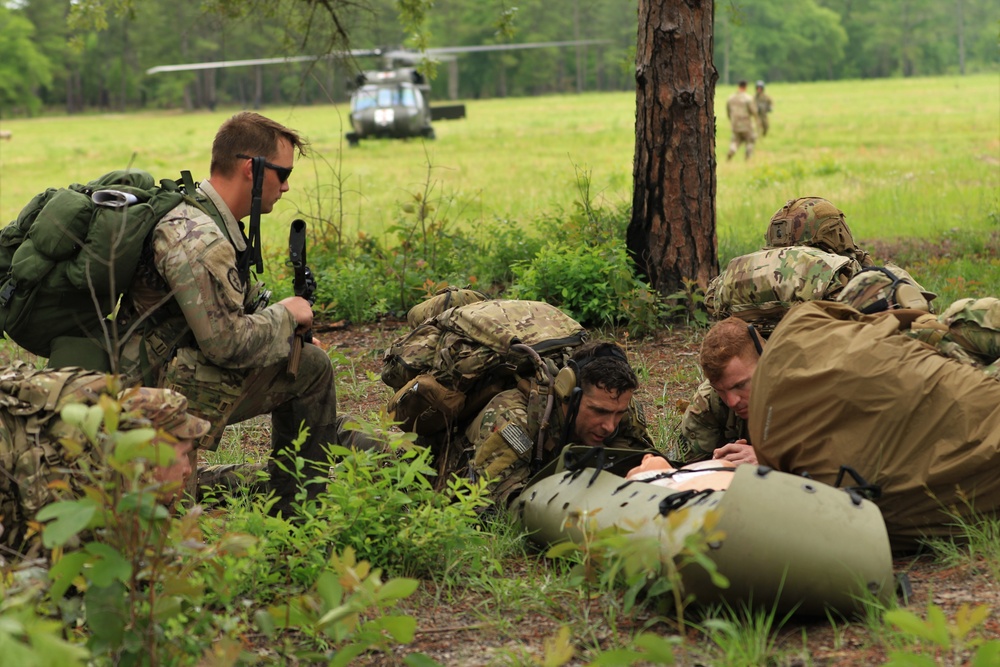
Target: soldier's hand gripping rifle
<point>303,284</point>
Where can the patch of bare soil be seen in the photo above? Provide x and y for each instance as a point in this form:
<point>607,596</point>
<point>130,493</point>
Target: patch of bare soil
<point>463,628</point>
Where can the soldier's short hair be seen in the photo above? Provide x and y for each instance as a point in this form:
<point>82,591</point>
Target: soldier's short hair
<point>604,365</point>
<point>726,340</point>
<point>249,133</point>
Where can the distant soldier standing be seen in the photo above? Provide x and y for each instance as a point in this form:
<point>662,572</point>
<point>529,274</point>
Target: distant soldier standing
<point>742,113</point>
<point>764,106</point>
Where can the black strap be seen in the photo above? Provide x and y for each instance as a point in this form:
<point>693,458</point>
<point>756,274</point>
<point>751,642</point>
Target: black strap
<point>678,500</point>
<point>253,257</point>
<point>862,488</point>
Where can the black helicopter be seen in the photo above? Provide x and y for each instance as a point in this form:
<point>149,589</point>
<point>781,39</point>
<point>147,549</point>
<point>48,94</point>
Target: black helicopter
<point>393,101</point>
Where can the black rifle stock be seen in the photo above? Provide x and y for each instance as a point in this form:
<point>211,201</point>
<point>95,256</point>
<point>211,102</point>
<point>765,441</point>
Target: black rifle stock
<point>303,284</point>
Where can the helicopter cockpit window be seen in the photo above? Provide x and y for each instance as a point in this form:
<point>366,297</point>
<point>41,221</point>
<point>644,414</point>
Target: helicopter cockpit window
<point>386,97</point>
<point>407,97</point>
<point>364,99</point>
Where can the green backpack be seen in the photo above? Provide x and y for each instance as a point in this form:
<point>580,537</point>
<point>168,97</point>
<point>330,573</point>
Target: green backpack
<point>449,366</point>
<point>69,255</point>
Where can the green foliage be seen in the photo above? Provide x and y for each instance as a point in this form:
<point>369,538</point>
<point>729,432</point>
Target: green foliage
<point>614,558</point>
<point>647,648</point>
<point>744,637</point>
<point>978,539</point>
<point>432,535</point>
<point>159,588</point>
<point>347,605</point>
<point>585,269</point>
<point>23,68</point>
<point>595,285</point>
<point>29,639</point>
<point>500,244</point>
<point>352,290</point>
<point>943,641</point>
<point>136,565</point>
<point>688,304</point>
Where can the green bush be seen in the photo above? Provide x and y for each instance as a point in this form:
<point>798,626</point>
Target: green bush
<point>595,285</point>
<point>353,291</point>
<point>499,244</point>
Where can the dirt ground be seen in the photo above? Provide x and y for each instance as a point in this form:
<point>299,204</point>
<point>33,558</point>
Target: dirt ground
<point>457,631</point>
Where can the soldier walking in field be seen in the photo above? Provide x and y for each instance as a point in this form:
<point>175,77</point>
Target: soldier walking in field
<point>764,107</point>
<point>742,113</point>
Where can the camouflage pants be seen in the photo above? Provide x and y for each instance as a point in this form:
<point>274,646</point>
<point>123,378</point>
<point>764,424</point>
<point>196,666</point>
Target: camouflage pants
<point>748,138</point>
<point>228,396</point>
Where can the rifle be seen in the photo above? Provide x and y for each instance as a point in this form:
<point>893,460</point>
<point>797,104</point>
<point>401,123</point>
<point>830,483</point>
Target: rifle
<point>303,284</point>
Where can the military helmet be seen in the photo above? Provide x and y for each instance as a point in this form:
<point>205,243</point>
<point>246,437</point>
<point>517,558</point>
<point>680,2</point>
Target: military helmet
<point>162,409</point>
<point>876,289</point>
<point>760,84</point>
<point>813,221</point>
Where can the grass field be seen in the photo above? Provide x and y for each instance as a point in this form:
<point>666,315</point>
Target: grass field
<point>901,157</point>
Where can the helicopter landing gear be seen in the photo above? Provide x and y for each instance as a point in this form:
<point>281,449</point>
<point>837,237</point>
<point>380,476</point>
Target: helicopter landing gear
<point>429,133</point>
<point>352,139</point>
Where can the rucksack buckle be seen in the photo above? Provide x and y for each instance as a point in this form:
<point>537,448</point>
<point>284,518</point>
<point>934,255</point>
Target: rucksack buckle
<point>7,292</point>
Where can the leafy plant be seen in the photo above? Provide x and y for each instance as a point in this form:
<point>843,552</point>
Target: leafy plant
<point>615,557</point>
<point>595,285</point>
<point>347,604</point>
<point>136,564</point>
<point>948,640</point>
<point>431,534</point>
<point>744,637</point>
<point>688,304</point>
<point>30,639</point>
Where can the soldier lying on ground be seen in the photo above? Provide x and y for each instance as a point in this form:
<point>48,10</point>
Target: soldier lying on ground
<point>35,458</point>
<point>595,406</point>
<point>709,423</point>
<point>841,395</point>
<point>715,423</point>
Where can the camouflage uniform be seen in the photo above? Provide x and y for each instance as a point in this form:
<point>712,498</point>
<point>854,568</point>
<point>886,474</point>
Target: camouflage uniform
<point>967,331</point>
<point>764,107</point>
<point>708,424</point>
<point>212,345</point>
<point>742,113</point>
<point>503,439</point>
<point>32,454</point>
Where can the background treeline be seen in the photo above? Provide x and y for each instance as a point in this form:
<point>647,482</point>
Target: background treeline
<point>49,63</point>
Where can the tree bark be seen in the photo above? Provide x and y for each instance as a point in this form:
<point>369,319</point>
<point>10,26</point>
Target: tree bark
<point>672,234</point>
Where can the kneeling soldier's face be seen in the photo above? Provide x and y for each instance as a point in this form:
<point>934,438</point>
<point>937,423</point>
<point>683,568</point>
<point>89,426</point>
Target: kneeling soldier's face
<point>600,413</point>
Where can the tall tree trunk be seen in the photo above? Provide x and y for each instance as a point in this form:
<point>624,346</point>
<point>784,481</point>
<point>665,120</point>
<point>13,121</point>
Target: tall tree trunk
<point>960,6</point>
<point>671,234</point>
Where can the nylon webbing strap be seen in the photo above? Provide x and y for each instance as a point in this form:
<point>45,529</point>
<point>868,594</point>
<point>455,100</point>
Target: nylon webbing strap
<point>253,257</point>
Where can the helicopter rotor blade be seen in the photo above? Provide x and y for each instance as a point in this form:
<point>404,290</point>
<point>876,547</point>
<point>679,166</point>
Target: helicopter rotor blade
<point>221,64</point>
<point>446,53</point>
<point>509,47</point>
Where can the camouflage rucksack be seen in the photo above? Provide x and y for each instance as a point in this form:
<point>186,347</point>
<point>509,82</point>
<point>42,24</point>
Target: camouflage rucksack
<point>814,221</point>
<point>968,331</point>
<point>447,368</point>
<point>443,299</point>
<point>761,286</point>
<point>878,288</point>
<point>70,247</point>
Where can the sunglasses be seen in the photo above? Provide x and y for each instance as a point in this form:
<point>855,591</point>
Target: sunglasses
<point>281,172</point>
